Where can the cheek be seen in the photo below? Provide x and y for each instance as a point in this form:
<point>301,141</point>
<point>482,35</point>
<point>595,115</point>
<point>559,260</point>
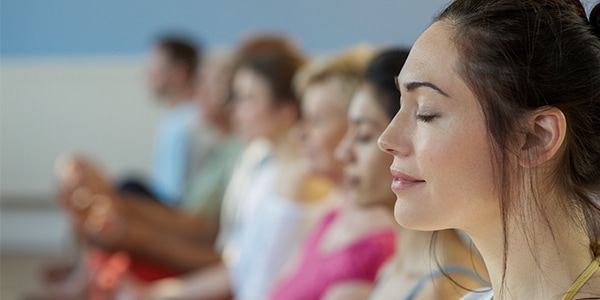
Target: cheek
<point>333,136</point>
<point>252,115</point>
<point>247,120</point>
<point>155,79</point>
<point>323,147</point>
<point>329,141</point>
<point>459,175</point>
<point>323,139</point>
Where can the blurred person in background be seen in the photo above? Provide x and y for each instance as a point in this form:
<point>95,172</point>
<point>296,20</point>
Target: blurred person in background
<point>154,240</point>
<point>182,239</point>
<point>178,149</point>
<point>354,238</point>
<point>265,211</point>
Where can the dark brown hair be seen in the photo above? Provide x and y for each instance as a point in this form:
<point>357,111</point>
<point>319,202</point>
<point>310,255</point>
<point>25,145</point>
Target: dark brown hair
<point>182,51</point>
<point>276,59</point>
<point>521,55</point>
<point>381,75</point>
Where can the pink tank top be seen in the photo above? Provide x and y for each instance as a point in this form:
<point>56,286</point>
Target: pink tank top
<point>318,271</point>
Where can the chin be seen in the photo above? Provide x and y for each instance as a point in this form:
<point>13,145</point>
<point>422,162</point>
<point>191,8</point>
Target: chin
<point>413,219</point>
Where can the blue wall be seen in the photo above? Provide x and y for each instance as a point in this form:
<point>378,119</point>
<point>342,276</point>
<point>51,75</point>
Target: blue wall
<point>58,28</point>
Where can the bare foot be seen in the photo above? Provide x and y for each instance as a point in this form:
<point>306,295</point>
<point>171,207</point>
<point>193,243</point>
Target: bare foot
<point>80,183</point>
<point>75,171</point>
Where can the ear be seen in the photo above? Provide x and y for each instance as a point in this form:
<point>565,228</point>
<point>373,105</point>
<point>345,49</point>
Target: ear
<point>544,136</point>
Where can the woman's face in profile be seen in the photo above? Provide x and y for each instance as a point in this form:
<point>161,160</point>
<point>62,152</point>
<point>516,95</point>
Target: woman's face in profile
<point>442,165</point>
<point>254,114</point>
<point>366,169</point>
<point>324,124</point>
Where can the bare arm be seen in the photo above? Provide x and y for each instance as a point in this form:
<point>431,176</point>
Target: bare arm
<point>114,229</point>
<point>170,220</point>
<point>181,253</point>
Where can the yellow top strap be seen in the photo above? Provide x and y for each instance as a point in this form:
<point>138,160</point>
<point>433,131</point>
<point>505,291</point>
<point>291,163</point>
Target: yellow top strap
<point>585,275</point>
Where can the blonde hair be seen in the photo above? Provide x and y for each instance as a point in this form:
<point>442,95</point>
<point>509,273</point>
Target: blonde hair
<point>346,67</point>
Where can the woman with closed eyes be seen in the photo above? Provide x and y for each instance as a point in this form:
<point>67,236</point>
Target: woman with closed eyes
<point>498,134</point>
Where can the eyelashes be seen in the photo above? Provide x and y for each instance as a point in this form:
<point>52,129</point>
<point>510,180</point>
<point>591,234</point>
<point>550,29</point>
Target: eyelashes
<point>426,117</point>
<point>428,113</point>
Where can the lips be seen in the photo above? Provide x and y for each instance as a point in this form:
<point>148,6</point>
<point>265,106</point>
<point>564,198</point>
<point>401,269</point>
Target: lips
<point>403,181</point>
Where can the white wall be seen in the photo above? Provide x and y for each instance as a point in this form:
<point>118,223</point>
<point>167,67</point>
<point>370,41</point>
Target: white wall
<point>97,106</point>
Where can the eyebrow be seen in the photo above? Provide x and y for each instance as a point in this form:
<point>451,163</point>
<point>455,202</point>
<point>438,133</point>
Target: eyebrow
<point>411,86</point>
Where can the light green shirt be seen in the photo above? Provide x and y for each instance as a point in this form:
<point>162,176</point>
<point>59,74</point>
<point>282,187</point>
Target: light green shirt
<point>208,185</point>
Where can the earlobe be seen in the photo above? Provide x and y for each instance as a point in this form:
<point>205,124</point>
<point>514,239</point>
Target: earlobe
<point>545,134</point>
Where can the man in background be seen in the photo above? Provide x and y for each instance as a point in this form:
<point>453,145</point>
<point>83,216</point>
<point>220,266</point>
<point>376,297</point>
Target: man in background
<point>181,141</point>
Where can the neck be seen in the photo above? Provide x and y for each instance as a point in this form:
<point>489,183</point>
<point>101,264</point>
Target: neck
<point>414,251</point>
<point>548,259</point>
<point>416,255</point>
<point>283,145</point>
<point>223,124</point>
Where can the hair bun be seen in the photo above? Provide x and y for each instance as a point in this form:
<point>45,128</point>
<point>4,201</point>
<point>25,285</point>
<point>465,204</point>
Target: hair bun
<point>595,19</point>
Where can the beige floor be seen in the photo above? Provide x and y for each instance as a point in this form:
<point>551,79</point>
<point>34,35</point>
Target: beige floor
<point>19,273</point>
<point>32,234</point>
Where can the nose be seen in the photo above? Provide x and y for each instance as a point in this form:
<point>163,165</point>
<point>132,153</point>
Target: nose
<point>383,141</point>
<point>393,140</point>
<point>343,152</point>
